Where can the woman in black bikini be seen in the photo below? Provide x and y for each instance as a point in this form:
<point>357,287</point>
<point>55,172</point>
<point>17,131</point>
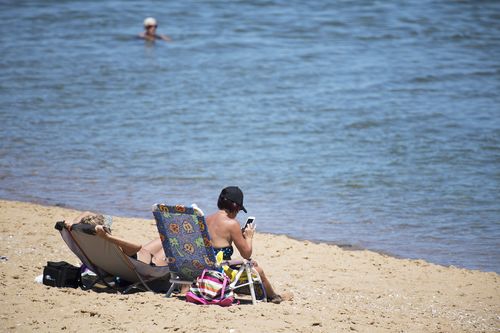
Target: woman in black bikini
<point>151,253</point>
<point>225,230</point>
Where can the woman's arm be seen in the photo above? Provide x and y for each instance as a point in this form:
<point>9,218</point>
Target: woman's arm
<point>165,38</point>
<point>242,241</point>
<point>127,247</point>
<point>77,219</point>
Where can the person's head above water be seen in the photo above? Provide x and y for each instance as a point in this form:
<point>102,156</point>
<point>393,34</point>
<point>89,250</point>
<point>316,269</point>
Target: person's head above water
<point>231,199</point>
<point>149,33</point>
<point>150,22</point>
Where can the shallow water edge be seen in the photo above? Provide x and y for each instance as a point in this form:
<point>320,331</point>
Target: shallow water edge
<point>344,246</point>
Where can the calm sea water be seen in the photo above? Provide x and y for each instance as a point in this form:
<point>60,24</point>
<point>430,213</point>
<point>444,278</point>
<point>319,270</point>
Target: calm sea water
<point>370,123</point>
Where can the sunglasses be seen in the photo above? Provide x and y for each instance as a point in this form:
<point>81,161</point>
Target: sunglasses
<point>151,26</point>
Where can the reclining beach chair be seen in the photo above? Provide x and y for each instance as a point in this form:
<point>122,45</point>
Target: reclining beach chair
<point>107,261</point>
<point>189,251</point>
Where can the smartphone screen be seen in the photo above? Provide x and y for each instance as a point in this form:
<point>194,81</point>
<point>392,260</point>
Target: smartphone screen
<point>250,220</point>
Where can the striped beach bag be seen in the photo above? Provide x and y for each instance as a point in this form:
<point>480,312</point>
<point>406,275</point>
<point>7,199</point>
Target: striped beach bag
<point>211,287</point>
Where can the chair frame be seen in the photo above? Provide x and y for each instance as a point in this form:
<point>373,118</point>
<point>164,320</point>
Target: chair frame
<point>244,269</point>
<point>74,239</point>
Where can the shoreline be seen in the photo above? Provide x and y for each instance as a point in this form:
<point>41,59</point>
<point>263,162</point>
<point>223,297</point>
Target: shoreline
<point>334,289</point>
<point>345,246</point>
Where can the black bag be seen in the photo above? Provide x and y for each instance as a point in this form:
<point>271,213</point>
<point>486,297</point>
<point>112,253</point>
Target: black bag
<point>61,274</point>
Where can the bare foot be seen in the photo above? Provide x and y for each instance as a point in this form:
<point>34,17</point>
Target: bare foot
<point>287,296</point>
<point>184,289</point>
<point>276,299</point>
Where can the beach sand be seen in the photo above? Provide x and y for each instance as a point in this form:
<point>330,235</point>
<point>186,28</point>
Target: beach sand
<point>335,290</point>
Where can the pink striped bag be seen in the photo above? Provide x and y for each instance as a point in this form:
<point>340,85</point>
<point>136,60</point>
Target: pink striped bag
<point>211,287</point>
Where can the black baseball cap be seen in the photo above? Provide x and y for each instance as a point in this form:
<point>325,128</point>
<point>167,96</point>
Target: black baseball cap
<point>234,194</point>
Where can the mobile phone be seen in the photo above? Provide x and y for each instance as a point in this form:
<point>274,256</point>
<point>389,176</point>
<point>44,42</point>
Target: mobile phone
<point>250,220</point>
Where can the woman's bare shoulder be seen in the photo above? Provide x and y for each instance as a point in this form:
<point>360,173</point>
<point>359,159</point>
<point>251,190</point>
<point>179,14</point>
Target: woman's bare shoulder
<point>223,220</point>
<point>232,224</point>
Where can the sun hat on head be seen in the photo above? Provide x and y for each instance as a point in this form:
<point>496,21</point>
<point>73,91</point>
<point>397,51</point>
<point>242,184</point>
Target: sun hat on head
<point>234,194</point>
<point>149,21</point>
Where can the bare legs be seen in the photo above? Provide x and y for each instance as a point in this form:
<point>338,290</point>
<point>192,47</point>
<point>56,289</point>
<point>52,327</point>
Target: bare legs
<point>150,252</point>
<point>155,251</point>
<point>129,248</point>
<point>271,294</point>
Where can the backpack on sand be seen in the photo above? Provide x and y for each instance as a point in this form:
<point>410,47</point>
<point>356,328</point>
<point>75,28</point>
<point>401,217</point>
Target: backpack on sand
<point>61,274</point>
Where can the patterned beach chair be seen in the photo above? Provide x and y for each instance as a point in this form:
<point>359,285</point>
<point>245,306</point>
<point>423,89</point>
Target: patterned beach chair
<point>109,262</point>
<point>189,251</point>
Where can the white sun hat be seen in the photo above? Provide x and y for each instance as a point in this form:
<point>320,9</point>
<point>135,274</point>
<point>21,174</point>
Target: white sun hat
<point>149,21</point>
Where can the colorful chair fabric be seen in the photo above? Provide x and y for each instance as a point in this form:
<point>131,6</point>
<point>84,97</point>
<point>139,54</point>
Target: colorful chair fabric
<point>188,250</point>
<point>186,242</point>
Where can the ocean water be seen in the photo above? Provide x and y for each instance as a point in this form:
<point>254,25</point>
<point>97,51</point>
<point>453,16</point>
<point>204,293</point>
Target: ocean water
<point>369,123</point>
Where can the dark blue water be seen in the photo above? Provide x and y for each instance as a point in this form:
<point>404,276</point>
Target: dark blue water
<point>369,123</point>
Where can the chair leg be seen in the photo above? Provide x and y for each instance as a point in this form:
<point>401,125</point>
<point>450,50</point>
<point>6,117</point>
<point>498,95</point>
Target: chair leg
<point>144,283</point>
<point>132,286</point>
<point>171,289</point>
<point>250,281</point>
<point>247,269</point>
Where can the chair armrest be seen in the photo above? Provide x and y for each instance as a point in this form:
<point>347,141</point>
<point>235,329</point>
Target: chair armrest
<point>59,225</point>
<point>234,262</point>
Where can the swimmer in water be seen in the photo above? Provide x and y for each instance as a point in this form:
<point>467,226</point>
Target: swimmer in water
<point>150,26</point>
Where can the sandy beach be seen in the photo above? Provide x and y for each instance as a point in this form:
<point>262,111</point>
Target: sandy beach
<point>335,290</point>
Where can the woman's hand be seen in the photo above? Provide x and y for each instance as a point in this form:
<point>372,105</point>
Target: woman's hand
<point>100,231</point>
<point>249,231</point>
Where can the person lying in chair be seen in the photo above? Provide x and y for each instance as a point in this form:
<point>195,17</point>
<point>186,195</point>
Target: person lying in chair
<point>150,253</point>
<point>225,230</point>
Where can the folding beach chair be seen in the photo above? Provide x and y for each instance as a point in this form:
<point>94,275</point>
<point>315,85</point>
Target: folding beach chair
<point>107,260</point>
<point>189,251</point>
